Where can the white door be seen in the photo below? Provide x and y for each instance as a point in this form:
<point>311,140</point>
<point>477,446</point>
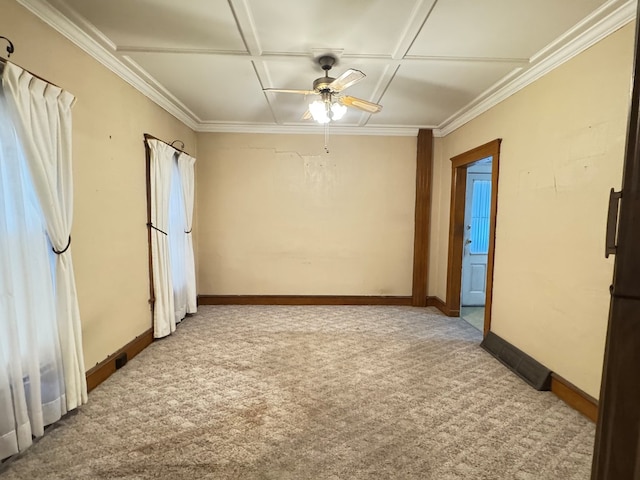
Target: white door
<point>476,239</point>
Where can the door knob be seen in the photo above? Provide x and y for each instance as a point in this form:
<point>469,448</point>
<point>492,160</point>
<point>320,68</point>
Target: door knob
<point>467,241</point>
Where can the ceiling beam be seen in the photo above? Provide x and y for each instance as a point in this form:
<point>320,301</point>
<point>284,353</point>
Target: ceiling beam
<point>246,26</point>
<point>419,16</point>
<point>248,32</point>
<point>304,57</point>
<point>380,89</point>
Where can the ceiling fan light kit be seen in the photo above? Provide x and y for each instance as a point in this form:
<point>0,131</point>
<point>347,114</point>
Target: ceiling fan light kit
<point>325,111</point>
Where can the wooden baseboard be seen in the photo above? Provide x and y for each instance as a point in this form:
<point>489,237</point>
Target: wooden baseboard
<point>302,300</point>
<point>438,303</point>
<point>574,397</point>
<point>104,369</point>
<point>442,306</point>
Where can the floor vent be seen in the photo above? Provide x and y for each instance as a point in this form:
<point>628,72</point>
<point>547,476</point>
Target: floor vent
<point>530,370</point>
<point>121,360</point>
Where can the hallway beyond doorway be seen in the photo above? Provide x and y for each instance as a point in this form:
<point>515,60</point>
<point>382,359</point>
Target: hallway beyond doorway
<point>473,316</point>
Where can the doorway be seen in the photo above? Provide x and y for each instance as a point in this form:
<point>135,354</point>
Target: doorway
<point>475,249</point>
<point>478,281</point>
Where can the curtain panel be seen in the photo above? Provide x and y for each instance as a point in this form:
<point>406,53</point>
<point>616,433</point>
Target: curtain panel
<point>31,375</point>
<point>42,376</point>
<point>42,115</point>
<point>187,176</point>
<point>161,164</point>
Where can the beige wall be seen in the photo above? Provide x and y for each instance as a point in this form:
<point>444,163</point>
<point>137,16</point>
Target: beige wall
<point>562,150</point>
<point>277,215</point>
<point>109,232</point>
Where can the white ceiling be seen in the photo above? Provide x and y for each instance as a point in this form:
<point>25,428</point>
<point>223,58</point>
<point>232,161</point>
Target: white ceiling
<point>430,63</point>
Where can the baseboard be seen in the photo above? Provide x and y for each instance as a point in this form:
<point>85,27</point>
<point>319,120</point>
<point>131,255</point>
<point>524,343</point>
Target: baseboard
<point>442,306</point>
<point>574,397</point>
<point>104,369</point>
<point>439,304</point>
<point>302,300</point>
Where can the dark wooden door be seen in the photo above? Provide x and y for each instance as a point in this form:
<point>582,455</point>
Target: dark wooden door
<point>617,447</point>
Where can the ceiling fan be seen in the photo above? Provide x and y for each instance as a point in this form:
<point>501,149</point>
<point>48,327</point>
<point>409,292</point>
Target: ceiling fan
<point>332,104</point>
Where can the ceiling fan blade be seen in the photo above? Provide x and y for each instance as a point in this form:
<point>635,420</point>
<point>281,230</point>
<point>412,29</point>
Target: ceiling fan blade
<point>306,115</point>
<point>348,78</point>
<point>284,90</point>
<point>360,104</point>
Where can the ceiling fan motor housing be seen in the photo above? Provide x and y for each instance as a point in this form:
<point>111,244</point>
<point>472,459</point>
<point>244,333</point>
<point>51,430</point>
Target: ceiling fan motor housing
<point>327,62</point>
<point>322,83</point>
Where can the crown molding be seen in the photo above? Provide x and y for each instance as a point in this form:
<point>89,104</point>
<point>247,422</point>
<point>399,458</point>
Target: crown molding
<point>56,20</point>
<point>98,47</point>
<point>614,21</point>
<point>314,129</point>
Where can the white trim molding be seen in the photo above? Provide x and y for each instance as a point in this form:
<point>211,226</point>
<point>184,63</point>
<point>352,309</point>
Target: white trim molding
<point>56,20</point>
<point>614,21</point>
<point>588,32</point>
<point>312,129</point>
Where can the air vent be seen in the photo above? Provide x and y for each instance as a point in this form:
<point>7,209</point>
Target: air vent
<point>530,370</point>
<point>121,360</point>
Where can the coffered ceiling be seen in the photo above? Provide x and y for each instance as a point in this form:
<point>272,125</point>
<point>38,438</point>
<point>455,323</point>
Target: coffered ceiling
<point>430,63</point>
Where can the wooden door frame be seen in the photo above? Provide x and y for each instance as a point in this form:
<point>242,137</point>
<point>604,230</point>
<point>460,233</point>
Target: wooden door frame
<point>459,165</point>
<point>617,444</point>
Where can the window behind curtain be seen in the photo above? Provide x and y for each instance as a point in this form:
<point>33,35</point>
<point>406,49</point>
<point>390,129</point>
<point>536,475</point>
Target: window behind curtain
<point>177,239</point>
<point>31,379</point>
<point>28,284</point>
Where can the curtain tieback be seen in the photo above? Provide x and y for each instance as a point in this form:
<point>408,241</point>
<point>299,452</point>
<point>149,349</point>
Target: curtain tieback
<point>189,231</point>
<point>64,249</point>
<point>150,225</point>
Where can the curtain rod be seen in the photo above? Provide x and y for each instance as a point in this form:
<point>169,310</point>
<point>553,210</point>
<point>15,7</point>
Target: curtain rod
<point>148,136</point>
<point>10,48</point>
<point>4,61</point>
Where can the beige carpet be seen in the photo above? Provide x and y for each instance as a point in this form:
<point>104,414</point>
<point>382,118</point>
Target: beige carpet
<point>315,393</point>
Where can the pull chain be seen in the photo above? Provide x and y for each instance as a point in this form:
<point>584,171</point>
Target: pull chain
<point>326,137</point>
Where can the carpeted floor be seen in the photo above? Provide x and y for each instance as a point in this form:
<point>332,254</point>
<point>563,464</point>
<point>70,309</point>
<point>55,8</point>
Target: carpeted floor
<point>317,392</point>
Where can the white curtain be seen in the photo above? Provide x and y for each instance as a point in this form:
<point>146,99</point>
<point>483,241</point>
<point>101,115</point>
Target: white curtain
<point>177,243</point>
<point>161,165</point>
<point>32,346</point>
<point>42,114</point>
<point>186,165</point>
